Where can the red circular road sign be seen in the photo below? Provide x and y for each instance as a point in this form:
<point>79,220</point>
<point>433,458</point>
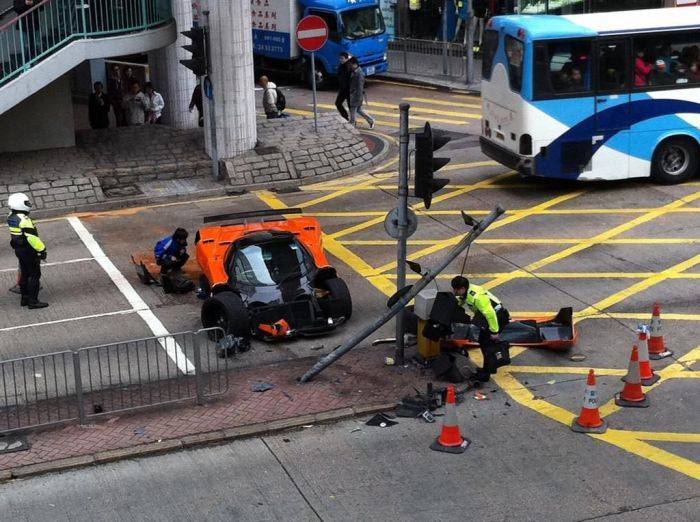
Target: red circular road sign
<point>312,33</point>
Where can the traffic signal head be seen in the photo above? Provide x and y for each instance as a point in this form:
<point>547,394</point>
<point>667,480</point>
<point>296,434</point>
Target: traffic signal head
<point>426,164</point>
<point>198,64</point>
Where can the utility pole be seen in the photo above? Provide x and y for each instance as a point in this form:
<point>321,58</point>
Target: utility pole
<point>444,38</point>
<point>402,224</point>
<point>208,91</point>
<point>470,42</point>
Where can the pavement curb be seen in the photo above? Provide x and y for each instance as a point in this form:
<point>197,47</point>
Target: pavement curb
<point>191,441</point>
<point>224,189</point>
<point>419,82</point>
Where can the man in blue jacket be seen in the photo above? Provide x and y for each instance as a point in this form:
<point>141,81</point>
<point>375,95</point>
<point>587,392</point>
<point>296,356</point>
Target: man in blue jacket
<point>171,252</point>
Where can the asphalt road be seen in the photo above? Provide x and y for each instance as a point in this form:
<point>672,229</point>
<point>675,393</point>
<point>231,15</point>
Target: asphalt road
<point>609,250</point>
<point>514,470</point>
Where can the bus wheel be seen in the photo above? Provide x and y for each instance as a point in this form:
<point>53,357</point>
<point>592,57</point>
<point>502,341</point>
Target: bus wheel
<point>675,161</point>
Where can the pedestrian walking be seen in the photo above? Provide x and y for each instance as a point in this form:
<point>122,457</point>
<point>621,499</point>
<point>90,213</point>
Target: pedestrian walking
<point>156,104</point>
<point>273,100</point>
<point>29,249</point>
<point>135,105</point>
<point>344,74</point>
<point>357,94</point>
<point>98,108</point>
<point>196,101</point>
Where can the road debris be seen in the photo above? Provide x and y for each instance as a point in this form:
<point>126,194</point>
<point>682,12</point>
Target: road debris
<point>261,386</point>
<point>381,421</point>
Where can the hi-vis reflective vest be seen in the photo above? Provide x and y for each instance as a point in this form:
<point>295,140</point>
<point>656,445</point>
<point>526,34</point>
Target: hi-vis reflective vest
<point>478,299</point>
<point>23,232</point>
<point>414,5</point>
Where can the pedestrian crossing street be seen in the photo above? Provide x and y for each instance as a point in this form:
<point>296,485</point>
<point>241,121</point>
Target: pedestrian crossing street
<point>449,109</point>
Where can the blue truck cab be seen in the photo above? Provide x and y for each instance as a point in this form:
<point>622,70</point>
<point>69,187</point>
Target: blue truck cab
<point>355,26</point>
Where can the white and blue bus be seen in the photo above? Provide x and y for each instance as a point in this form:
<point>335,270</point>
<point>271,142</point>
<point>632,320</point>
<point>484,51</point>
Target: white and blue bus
<point>594,97</point>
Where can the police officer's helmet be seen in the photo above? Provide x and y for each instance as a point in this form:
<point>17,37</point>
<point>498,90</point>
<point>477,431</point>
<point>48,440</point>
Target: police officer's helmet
<point>19,202</point>
<point>460,282</point>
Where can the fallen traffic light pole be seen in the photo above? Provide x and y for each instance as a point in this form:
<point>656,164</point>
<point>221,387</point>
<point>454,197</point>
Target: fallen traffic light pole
<point>404,295</point>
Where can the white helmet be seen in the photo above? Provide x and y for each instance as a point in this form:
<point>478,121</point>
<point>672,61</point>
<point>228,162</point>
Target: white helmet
<point>19,201</point>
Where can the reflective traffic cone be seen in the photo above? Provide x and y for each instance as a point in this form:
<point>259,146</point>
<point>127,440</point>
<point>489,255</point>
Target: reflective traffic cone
<point>657,348</point>
<point>450,439</point>
<point>632,395</point>
<point>646,372</point>
<point>589,420</point>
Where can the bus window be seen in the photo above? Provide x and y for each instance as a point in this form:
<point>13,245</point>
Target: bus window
<point>612,66</point>
<point>563,68</point>
<point>514,53</point>
<point>489,46</point>
<point>667,59</point>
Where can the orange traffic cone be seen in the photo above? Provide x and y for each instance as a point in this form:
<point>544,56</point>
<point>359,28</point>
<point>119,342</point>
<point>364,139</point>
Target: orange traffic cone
<point>657,348</point>
<point>589,421</point>
<point>450,439</point>
<point>632,395</point>
<point>646,372</point>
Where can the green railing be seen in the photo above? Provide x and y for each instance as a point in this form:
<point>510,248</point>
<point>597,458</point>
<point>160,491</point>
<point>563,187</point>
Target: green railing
<point>52,24</point>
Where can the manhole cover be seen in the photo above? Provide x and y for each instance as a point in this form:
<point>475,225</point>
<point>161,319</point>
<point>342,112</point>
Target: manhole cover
<point>12,443</point>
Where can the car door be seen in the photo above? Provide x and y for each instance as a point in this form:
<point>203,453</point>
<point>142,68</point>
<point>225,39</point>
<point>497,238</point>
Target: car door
<point>611,133</point>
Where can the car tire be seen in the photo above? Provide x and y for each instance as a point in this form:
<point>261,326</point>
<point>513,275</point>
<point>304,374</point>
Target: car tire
<point>227,311</point>
<point>675,160</point>
<point>339,290</point>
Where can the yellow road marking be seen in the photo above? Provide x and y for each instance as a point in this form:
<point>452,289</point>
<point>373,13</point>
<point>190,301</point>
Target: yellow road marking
<point>667,437</point>
<point>571,370</point>
<point>411,86</point>
<point>419,206</point>
<point>443,103</point>
<point>520,241</point>
<point>396,115</point>
<point>608,234</point>
<point>426,111</point>
<point>498,224</point>
<point>655,279</point>
<point>300,112</point>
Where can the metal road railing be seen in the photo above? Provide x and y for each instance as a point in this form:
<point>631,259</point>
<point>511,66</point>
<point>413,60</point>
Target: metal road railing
<point>52,24</point>
<point>427,58</point>
<point>71,386</point>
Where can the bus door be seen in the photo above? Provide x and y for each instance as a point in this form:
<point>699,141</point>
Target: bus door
<point>611,132</point>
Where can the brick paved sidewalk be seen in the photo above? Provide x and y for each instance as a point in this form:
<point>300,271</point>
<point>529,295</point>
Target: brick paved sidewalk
<point>358,380</point>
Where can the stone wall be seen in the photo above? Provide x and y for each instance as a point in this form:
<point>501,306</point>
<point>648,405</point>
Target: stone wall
<point>290,150</point>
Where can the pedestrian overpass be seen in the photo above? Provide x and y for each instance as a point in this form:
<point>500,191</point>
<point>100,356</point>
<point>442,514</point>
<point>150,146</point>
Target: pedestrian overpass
<point>39,47</point>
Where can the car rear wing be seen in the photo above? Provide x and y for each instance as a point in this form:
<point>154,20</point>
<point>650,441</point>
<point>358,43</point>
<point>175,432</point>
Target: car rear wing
<point>253,214</point>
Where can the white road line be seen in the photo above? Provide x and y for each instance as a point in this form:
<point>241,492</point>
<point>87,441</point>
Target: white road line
<point>70,319</point>
<point>57,263</point>
<point>172,349</point>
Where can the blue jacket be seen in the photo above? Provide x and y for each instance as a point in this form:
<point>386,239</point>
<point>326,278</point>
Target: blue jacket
<point>168,247</point>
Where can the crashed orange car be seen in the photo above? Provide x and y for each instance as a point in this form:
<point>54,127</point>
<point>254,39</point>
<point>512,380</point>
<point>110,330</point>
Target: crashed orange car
<point>267,276</point>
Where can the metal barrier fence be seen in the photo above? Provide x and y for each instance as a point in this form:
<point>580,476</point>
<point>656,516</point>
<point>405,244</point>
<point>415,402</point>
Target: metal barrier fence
<point>52,24</point>
<point>79,385</point>
<point>427,58</point>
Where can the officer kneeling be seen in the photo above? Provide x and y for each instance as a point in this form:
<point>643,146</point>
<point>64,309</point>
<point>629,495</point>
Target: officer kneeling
<point>489,315</point>
<point>29,249</point>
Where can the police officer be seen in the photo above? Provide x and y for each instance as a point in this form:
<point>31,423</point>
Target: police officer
<point>29,249</point>
<point>489,314</point>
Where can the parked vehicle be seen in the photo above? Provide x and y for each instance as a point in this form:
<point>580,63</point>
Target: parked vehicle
<point>355,26</point>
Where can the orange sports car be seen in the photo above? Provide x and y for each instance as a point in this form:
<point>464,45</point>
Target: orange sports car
<point>267,276</point>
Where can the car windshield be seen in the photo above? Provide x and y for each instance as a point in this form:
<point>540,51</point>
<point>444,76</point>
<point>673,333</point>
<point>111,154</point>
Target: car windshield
<point>271,263</point>
<point>363,22</point>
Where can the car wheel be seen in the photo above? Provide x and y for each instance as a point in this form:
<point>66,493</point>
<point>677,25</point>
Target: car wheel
<point>339,290</point>
<point>226,311</point>
<point>675,161</point>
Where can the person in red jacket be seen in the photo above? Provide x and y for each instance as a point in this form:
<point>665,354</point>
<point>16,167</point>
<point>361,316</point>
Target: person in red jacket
<point>642,68</point>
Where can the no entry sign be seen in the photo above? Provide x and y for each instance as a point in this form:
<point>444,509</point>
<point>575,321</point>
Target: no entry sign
<point>312,33</point>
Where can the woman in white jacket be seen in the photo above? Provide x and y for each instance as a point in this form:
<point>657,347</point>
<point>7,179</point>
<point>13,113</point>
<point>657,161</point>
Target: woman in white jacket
<point>156,103</point>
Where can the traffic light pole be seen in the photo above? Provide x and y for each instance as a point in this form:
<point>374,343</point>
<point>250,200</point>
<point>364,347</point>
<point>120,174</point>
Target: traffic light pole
<point>402,224</point>
<point>212,110</point>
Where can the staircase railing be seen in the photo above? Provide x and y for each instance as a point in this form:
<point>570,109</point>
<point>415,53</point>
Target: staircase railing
<point>52,24</point>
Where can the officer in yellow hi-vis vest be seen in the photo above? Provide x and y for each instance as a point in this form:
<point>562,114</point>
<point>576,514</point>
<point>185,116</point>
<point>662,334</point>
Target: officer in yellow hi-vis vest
<point>489,314</point>
<point>28,247</point>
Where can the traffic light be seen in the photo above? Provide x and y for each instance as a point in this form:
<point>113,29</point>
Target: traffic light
<point>426,164</point>
<point>198,64</point>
